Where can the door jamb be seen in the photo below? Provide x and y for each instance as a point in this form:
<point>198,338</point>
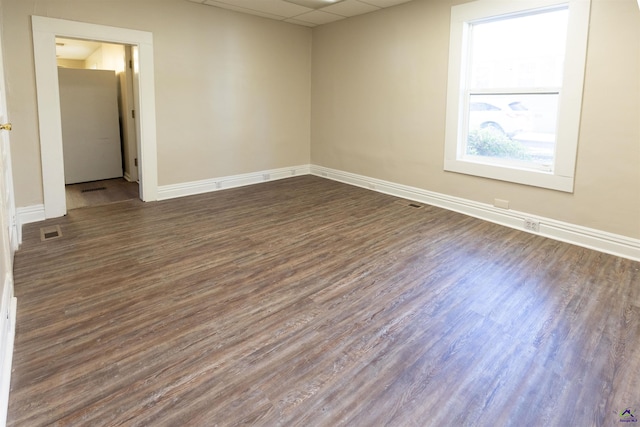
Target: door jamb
<point>45,30</point>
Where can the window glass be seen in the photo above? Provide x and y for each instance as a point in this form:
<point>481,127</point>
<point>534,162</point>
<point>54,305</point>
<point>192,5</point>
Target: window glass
<point>515,76</point>
<point>514,98</point>
<point>514,51</point>
<point>516,130</point>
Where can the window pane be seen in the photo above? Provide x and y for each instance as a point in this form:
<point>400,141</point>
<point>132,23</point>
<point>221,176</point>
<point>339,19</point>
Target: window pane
<point>517,130</point>
<point>519,52</point>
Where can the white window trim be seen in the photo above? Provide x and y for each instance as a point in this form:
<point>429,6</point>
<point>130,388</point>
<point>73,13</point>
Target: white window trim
<point>570,103</point>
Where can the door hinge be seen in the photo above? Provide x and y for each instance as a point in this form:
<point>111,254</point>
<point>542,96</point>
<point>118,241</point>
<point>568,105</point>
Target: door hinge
<point>131,64</point>
<point>135,162</point>
<point>133,114</point>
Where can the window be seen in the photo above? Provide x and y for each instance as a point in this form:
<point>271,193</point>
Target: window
<point>516,72</point>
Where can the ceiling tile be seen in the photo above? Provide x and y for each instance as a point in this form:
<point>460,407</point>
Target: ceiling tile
<point>319,17</point>
<point>216,3</point>
<point>283,10</point>
<point>314,4</point>
<point>385,3</point>
<point>295,21</point>
<point>350,8</point>
<point>272,7</point>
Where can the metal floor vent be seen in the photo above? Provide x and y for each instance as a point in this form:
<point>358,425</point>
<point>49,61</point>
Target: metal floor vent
<point>87,190</point>
<point>409,204</point>
<point>48,233</point>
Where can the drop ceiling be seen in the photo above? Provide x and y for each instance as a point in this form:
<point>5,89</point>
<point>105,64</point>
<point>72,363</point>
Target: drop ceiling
<point>309,13</point>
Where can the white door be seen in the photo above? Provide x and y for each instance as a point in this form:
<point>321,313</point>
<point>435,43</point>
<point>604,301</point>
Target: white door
<point>8,229</point>
<point>90,130</point>
<point>8,245</point>
<point>8,210</point>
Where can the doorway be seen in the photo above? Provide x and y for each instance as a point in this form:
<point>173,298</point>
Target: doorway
<point>98,108</point>
<point>45,31</point>
<point>102,192</point>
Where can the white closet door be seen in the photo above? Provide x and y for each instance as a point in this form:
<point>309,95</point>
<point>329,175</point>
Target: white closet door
<point>90,125</point>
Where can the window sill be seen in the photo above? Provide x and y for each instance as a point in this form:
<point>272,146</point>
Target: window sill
<point>520,176</point>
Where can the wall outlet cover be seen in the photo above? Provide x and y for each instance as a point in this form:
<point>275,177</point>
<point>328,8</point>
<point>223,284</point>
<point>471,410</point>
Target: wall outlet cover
<point>500,203</point>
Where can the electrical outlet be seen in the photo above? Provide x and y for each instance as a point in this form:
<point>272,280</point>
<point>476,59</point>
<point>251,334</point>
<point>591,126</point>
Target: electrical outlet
<point>499,203</point>
<point>531,225</point>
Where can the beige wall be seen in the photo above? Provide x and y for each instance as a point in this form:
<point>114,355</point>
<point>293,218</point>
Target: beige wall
<point>70,63</point>
<point>232,90</point>
<point>106,57</point>
<point>378,109</point>
<point>237,93</point>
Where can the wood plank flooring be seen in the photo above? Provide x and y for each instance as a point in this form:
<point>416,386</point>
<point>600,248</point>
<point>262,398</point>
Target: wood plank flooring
<point>97,193</point>
<point>306,302</point>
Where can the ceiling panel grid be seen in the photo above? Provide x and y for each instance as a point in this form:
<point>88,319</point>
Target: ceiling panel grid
<point>309,13</point>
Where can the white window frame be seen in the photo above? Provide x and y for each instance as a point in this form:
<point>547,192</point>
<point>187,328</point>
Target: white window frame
<point>570,102</point>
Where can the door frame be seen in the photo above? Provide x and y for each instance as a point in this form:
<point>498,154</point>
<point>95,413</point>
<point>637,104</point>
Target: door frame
<point>45,30</point>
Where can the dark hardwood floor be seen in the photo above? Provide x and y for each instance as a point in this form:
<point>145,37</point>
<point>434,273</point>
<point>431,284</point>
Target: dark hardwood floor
<point>97,193</point>
<point>306,302</point>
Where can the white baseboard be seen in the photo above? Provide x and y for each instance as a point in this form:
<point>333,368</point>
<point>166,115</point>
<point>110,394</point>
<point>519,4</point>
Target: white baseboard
<point>28,215</point>
<point>35,213</point>
<point>8,328</point>
<point>602,241</point>
<point>166,192</point>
